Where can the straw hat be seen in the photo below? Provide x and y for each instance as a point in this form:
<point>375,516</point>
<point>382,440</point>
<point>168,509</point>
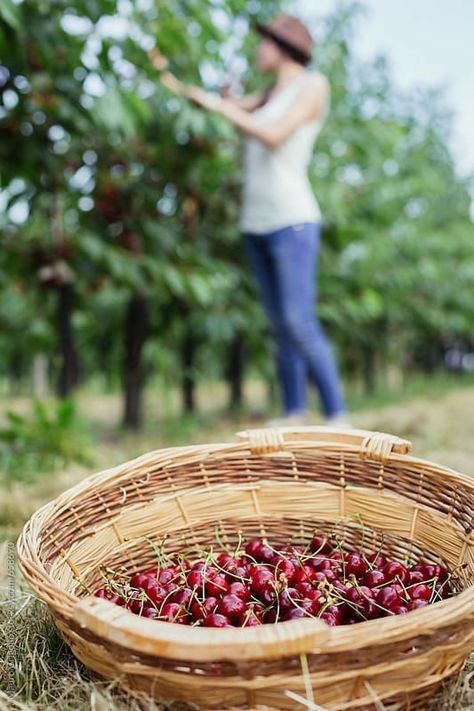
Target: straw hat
<point>291,35</point>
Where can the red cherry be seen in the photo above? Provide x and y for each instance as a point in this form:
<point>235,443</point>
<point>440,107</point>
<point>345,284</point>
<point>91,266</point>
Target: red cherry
<point>139,580</point>
<point>430,571</point>
<point>156,593</point>
<point>231,607</point>
<point>287,599</point>
<point>209,572</point>
<point>194,578</point>
<point>320,544</point>
<point>340,586</point>
<point>442,573</point>
<point>358,595</point>
<point>217,586</point>
<point>417,604</point>
<point>199,565</point>
<point>268,594</point>
<point>216,620</point>
<point>356,565</point>
<point>443,591</point>
<point>252,547</point>
<point>415,576</point>
<point>260,553</point>
<point>115,597</point>
<point>296,613</point>
<point>420,592</point>
<point>326,575</point>
<point>376,560</point>
<point>240,572</point>
<point>318,562</point>
<point>240,590</point>
<point>303,574</point>
<point>305,589</point>
<point>170,588</point>
<point>374,578</point>
<point>370,611</point>
<point>151,572</point>
<point>266,554</point>
<point>200,610</point>
<point>399,610</point>
<point>395,571</point>
<point>135,602</point>
<point>223,559</point>
<point>270,616</point>
<point>102,593</point>
<point>284,568</point>
<point>316,605</point>
<point>330,619</point>
<point>255,608</point>
<point>388,596</point>
<point>259,572</point>
<point>182,596</point>
<point>339,612</point>
<point>166,576</point>
<point>248,620</point>
<point>150,584</point>
<point>150,612</point>
<point>260,580</point>
<point>427,570</point>
<point>172,612</point>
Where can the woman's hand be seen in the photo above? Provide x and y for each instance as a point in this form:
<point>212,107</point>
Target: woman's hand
<point>158,60</point>
<point>167,78</point>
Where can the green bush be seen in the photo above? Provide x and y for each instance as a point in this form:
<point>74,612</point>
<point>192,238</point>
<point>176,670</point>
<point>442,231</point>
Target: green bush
<point>50,437</point>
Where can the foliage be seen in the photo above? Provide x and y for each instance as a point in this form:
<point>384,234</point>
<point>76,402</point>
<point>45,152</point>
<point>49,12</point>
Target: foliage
<point>111,187</point>
<point>44,441</point>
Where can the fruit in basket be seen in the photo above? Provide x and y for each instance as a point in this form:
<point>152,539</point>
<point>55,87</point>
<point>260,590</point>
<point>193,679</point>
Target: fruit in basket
<point>269,583</point>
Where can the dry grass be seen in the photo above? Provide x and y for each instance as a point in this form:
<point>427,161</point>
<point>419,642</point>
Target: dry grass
<point>39,672</point>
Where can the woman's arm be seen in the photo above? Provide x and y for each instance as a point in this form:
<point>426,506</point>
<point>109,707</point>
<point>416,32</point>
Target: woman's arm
<point>247,102</point>
<point>310,104</point>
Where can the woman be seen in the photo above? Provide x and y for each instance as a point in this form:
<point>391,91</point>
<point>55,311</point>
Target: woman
<point>280,216</point>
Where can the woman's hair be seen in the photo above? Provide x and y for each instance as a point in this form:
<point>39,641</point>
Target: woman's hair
<point>292,52</point>
<point>291,36</point>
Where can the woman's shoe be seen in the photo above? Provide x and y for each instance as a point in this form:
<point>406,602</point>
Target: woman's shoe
<point>339,422</point>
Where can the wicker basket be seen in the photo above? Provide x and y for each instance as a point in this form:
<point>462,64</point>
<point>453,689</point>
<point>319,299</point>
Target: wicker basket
<point>276,483</point>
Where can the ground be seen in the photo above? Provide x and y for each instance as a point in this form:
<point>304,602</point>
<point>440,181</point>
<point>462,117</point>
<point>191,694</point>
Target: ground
<point>436,417</point>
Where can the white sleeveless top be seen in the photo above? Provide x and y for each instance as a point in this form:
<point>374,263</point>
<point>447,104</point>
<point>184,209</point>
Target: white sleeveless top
<point>276,189</point>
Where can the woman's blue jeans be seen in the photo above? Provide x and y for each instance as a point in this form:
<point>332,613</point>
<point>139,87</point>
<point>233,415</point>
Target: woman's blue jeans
<point>285,266</point>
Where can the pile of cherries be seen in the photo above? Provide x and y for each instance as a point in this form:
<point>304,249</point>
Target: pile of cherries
<point>260,583</point>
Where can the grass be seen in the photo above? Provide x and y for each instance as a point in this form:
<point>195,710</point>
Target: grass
<point>38,670</point>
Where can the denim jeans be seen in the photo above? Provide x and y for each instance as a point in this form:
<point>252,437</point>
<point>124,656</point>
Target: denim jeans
<point>285,266</point>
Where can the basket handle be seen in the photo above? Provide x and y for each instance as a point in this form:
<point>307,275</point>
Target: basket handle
<point>192,644</point>
<point>371,445</point>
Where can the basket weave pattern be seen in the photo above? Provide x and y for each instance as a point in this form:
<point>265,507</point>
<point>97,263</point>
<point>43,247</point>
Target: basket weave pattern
<point>277,483</point>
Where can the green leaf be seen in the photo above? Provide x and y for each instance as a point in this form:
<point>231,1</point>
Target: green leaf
<point>11,14</point>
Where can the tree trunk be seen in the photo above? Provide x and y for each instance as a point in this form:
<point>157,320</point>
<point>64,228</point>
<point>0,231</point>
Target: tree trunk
<point>235,371</point>
<point>136,332</point>
<point>188,381</point>
<point>16,372</point>
<point>68,373</point>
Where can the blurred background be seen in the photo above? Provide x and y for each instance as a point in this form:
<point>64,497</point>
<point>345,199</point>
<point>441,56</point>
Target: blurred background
<point>128,317</point>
